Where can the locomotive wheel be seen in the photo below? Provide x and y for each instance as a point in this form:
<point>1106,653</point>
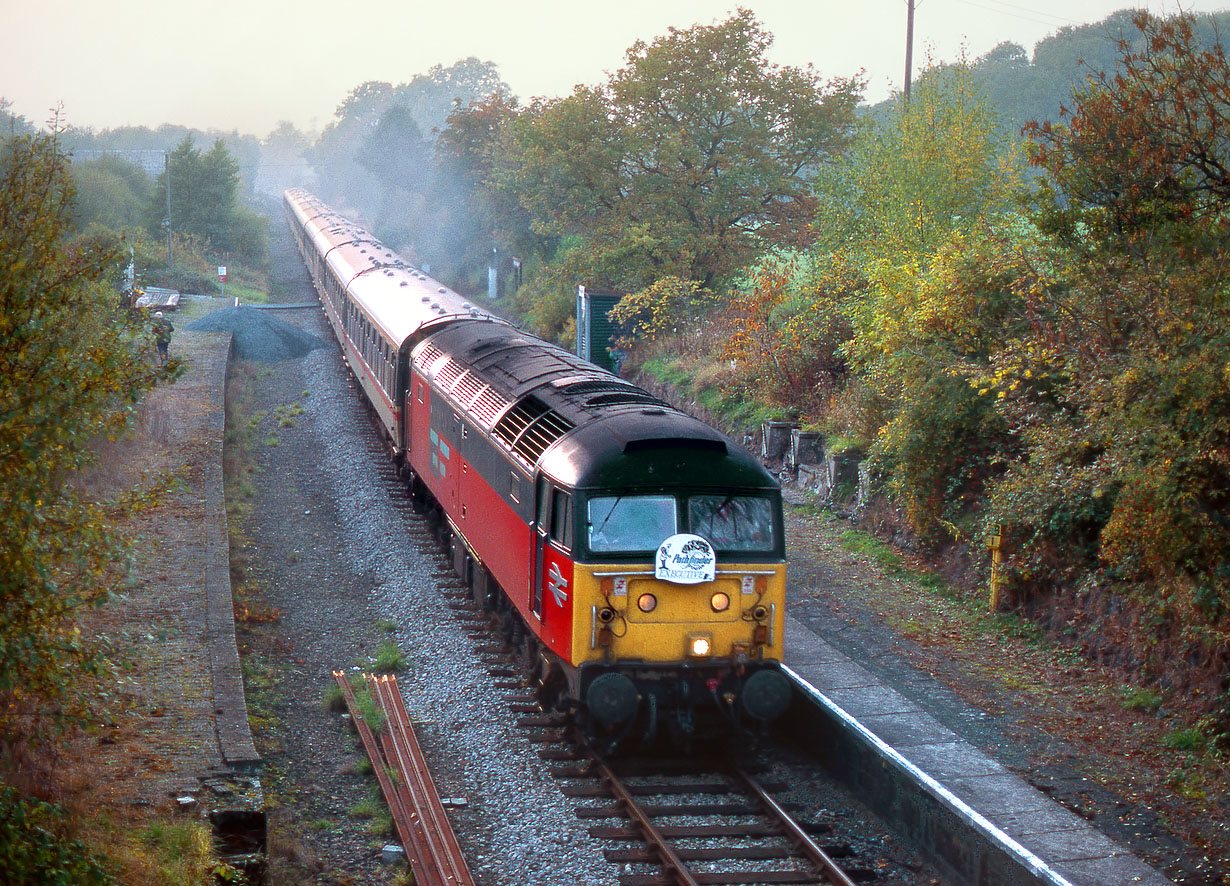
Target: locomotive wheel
<point>552,685</point>
<point>529,651</point>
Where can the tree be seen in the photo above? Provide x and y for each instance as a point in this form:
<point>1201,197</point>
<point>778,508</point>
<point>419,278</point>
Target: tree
<point>112,192</point>
<point>10,123</point>
<point>428,99</point>
<point>203,191</point>
<point>283,161</point>
<point>399,158</point>
<point>205,201</point>
<point>70,370</point>
<point>1128,313</point>
<point>472,218</point>
<point>690,161</point>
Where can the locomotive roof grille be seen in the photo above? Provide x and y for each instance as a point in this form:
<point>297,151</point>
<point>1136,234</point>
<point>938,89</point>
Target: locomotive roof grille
<point>430,354</point>
<point>467,388</point>
<point>530,427</point>
<point>489,405</point>
<point>448,374</point>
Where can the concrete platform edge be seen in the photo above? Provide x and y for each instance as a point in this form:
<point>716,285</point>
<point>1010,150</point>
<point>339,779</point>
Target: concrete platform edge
<point>954,835</point>
<point>230,703</point>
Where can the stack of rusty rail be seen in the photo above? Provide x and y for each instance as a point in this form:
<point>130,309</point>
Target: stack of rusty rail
<point>407,785</point>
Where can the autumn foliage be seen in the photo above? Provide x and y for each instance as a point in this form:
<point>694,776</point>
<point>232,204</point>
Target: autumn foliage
<point>71,367</point>
<point>1039,347</point>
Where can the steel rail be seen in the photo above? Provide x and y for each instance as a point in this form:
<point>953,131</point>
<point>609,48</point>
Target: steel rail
<point>409,831</point>
<point>796,834</point>
<point>674,866</point>
<point>444,849</point>
<point>674,862</point>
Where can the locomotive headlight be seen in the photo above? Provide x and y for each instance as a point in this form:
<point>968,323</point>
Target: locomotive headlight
<point>719,602</point>
<point>700,645</point>
<point>647,602</point>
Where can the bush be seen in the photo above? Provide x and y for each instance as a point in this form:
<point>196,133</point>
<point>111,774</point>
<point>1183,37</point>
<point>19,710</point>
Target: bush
<point>34,851</point>
<point>550,306</point>
<point>939,451</point>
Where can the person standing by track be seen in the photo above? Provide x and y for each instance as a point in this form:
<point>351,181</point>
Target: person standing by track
<point>162,335</point>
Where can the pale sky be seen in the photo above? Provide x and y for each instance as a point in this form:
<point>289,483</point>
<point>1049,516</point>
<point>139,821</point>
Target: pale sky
<point>248,64</point>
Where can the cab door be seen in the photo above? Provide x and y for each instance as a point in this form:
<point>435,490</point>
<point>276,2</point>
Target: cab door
<point>551,597</point>
<point>542,525</point>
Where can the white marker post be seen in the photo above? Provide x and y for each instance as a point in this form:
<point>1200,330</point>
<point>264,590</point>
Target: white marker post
<point>222,280</point>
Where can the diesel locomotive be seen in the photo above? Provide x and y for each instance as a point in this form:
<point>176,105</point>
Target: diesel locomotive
<point>634,553</point>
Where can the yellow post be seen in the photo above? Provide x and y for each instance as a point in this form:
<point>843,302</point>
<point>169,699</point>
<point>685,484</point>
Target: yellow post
<point>996,545</point>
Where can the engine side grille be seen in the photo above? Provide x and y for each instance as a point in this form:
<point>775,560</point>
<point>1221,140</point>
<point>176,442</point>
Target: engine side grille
<point>530,427</point>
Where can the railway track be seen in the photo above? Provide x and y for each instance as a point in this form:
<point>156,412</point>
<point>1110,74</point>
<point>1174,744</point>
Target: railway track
<point>405,780</point>
<point>699,821</point>
<point>702,820</point>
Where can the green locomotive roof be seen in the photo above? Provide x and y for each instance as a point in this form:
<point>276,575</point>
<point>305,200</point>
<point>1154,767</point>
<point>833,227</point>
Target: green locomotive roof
<point>652,447</point>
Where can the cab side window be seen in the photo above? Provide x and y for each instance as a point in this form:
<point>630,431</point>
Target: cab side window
<point>561,518</point>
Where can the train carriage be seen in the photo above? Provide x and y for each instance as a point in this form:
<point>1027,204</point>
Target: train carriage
<point>637,552</point>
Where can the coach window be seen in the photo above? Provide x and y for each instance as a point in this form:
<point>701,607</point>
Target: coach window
<point>561,518</point>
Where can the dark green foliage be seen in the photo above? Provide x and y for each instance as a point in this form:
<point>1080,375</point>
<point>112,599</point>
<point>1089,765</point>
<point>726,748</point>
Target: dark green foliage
<point>400,159</point>
<point>940,451</point>
<point>34,852</point>
<point>111,192</point>
<point>205,203</point>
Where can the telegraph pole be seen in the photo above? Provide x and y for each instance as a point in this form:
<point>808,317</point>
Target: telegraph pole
<point>909,48</point>
<point>166,166</point>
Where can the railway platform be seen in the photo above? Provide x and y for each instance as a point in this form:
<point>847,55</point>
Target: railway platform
<point>962,806</point>
<point>187,745</point>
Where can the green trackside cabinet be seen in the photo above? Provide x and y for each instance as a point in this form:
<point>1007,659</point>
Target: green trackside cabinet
<point>595,327</point>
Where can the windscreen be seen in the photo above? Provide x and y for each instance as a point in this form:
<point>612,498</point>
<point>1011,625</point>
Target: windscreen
<point>732,522</point>
<point>621,523</point>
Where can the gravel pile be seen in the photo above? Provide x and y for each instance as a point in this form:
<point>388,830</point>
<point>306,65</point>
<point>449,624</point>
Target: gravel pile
<point>256,335</point>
